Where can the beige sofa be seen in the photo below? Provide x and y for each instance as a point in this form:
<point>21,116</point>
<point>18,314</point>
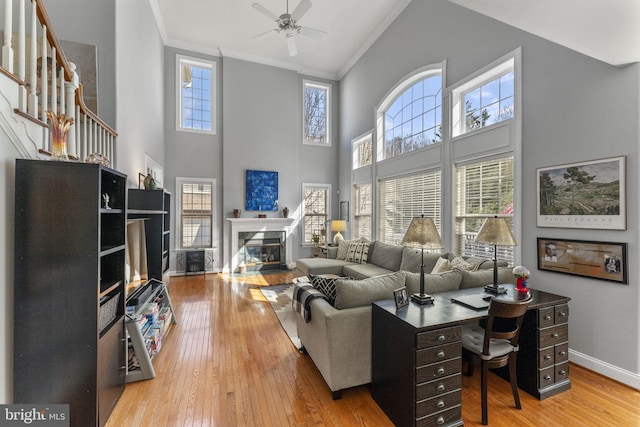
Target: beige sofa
<point>338,337</point>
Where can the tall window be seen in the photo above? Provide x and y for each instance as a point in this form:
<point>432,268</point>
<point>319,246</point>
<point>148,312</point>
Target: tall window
<point>401,199</point>
<point>362,151</point>
<point>316,113</point>
<point>195,211</point>
<point>316,210</point>
<point>362,211</point>
<point>414,119</point>
<point>484,189</point>
<point>195,95</point>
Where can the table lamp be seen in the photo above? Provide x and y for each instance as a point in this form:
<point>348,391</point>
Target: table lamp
<point>495,231</point>
<point>338,225</point>
<point>422,233</point>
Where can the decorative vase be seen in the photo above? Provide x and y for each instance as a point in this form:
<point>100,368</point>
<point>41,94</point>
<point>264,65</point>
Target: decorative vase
<point>236,213</point>
<point>149,182</point>
<point>59,126</point>
<point>285,212</point>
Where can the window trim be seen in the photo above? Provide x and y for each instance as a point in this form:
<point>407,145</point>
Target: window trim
<point>178,204</point>
<point>356,143</point>
<point>328,113</point>
<point>202,63</point>
<point>305,185</point>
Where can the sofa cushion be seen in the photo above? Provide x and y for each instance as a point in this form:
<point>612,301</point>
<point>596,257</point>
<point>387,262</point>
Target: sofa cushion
<point>363,271</point>
<point>326,285</point>
<point>411,259</point>
<point>441,266</point>
<point>320,266</point>
<point>433,283</point>
<point>478,278</point>
<point>358,252</point>
<point>386,256</point>
<point>358,293</point>
<point>459,262</point>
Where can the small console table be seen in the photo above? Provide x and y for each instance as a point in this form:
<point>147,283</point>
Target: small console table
<point>416,355</point>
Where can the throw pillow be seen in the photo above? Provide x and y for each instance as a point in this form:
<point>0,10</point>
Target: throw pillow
<point>459,262</point>
<point>441,266</point>
<point>326,285</point>
<point>343,249</point>
<point>358,252</point>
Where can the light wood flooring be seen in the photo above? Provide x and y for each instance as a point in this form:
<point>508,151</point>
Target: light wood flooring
<point>229,363</point>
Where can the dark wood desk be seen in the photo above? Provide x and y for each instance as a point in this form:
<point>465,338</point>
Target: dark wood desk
<point>416,355</point>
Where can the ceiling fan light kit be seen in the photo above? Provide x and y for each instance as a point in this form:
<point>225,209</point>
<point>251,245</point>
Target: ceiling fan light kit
<point>288,24</point>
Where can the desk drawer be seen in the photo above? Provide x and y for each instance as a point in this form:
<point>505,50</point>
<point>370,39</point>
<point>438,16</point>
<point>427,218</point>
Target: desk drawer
<point>551,355</point>
<point>441,418</point>
<point>561,314</point>
<point>438,337</point>
<point>554,374</point>
<point>438,353</point>
<point>438,370</point>
<point>439,386</point>
<point>552,336</point>
<point>437,404</point>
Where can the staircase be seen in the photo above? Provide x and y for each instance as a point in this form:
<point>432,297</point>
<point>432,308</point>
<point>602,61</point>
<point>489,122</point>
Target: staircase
<point>25,96</point>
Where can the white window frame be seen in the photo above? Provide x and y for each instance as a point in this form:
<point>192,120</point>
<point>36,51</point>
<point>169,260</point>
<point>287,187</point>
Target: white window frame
<point>388,100</point>
<point>356,147</point>
<point>327,187</point>
<point>201,63</point>
<point>328,111</point>
<point>356,211</point>
<point>178,202</point>
<point>486,75</point>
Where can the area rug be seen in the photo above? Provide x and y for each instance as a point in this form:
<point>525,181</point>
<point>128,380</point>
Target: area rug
<point>280,296</point>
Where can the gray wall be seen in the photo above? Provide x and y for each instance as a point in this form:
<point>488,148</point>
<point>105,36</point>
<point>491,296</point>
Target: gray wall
<point>574,109</point>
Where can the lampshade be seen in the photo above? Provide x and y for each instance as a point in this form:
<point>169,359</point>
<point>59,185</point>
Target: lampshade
<point>422,233</point>
<point>338,225</point>
<point>496,231</point>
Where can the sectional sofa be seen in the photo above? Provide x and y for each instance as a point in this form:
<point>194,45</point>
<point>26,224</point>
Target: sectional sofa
<point>338,335</point>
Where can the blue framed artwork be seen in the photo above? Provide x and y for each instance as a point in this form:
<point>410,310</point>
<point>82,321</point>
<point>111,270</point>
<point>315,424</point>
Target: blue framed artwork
<point>262,190</point>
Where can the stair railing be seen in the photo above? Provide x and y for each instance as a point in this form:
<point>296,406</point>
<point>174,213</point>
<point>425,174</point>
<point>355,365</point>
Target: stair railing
<point>59,91</point>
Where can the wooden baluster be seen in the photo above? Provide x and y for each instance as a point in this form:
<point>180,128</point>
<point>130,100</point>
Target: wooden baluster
<point>21,55</point>
<point>85,139</point>
<point>54,80</point>
<point>33,63</point>
<point>70,109</point>
<point>7,50</point>
<point>44,76</point>
<point>62,105</point>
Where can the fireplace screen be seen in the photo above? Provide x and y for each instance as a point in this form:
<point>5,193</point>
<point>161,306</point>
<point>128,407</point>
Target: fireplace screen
<point>261,251</point>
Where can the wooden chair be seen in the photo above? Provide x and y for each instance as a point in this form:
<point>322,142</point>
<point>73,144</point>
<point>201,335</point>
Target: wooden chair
<point>495,344</point>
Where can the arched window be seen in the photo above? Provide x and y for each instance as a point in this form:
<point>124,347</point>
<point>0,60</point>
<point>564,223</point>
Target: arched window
<point>411,115</point>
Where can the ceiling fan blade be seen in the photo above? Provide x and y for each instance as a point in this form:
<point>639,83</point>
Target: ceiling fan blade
<point>313,33</point>
<point>291,44</point>
<point>301,9</point>
<point>265,34</point>
<point>260,8</point>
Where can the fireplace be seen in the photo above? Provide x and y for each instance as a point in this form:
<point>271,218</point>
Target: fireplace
<point>261,250</point>
<point>253,229</point>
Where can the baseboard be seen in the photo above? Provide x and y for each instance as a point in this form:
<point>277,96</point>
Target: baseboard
<point>621,375</point>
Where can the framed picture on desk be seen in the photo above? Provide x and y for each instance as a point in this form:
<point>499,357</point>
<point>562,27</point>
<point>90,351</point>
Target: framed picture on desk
<point>401,296</point>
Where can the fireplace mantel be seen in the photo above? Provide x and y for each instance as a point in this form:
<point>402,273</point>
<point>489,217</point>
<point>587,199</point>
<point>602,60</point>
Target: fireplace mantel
<point>239,225</point>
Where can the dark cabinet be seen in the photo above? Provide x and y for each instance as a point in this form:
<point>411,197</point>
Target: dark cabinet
<point>69,343</point>
<point>154,206</point>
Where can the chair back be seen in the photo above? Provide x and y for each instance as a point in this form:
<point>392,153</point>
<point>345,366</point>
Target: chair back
<point>504,321</point>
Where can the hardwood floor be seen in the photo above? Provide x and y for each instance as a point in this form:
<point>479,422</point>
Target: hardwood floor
<point>229,363</point>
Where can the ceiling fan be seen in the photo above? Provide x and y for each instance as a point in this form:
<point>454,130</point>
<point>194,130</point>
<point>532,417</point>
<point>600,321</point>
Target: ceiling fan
<point>288,24</point>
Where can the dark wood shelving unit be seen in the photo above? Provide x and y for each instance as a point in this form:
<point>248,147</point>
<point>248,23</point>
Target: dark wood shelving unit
<point>155,207</point>
<point>69,333</point>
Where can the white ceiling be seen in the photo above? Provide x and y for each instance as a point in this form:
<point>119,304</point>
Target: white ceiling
<point>604,29</point>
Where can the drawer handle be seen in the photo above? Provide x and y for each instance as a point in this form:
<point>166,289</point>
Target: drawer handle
<point>562,314</point>
<point>440,404</point>
<point>440,353</point>
<point>441,338</point>
<point>440,420</point>
<point>563,372</point>
<point>547,357</point>
<point>440,387</point>
<point>547,377</point>
<point>554,335</point>
<point>440,371</point>
<point>562,353</point>
<point>547,317</point>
